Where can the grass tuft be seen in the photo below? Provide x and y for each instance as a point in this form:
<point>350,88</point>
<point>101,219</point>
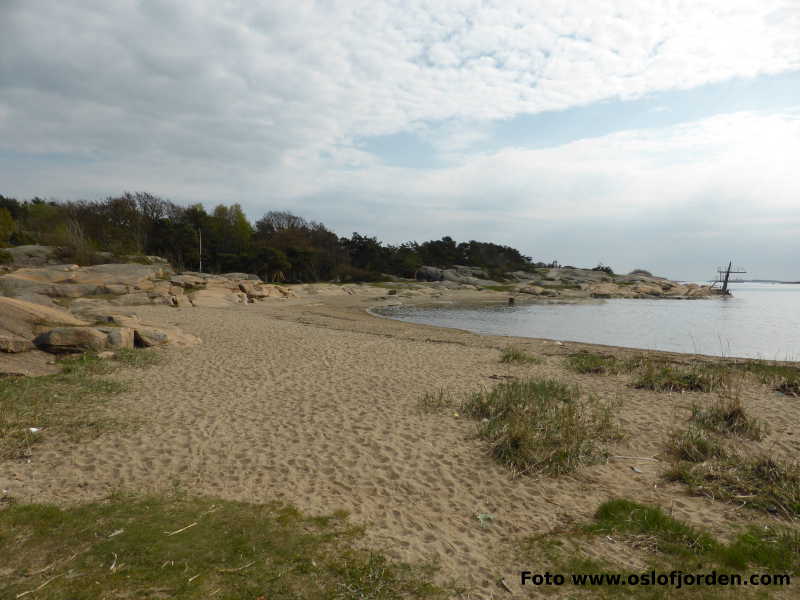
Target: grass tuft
<point>728,416</point>
<point>515,355</point>
<point>696,378</point>
<point>586,362</point>
<point>694,445</point>
<point>436,402</point>
<point>542,425</point>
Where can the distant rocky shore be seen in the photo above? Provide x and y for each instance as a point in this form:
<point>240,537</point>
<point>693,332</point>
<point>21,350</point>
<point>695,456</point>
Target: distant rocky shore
<point>51,309</point>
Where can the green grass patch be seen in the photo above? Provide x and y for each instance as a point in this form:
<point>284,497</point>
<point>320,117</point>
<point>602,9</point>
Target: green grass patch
<point>517,356</point>
<point>499,288</point>
<point>758,482</point>
<point>728,416</point>
<point>775,549</point>
<point>665,545</point>
<point>194,548</point>
<point>651,527</point>
<point>64,404</point>
<point>542,425</point>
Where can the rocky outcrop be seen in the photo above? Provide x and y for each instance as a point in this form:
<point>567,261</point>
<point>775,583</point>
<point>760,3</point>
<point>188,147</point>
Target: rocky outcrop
<point>22,320</point>
<point>70,340</point>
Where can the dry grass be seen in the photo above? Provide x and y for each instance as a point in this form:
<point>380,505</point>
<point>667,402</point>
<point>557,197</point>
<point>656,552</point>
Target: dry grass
<point>758,482</point>
<point>542,426</point>
<point>727,416</point>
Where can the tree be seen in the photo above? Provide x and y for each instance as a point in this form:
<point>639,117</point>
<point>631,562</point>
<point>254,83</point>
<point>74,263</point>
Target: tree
<point>7,226</point>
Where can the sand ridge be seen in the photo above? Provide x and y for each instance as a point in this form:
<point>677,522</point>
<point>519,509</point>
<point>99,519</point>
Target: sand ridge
<point>314,401</point>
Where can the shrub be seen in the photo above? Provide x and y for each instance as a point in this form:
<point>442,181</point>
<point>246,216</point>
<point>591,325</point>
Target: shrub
<point>6,257</point>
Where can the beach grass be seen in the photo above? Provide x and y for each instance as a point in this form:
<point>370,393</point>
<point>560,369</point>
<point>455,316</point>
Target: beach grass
<point>694,444</point>
<point>758,482</point>
<point>436,401</point>
<point>63,404</point>
<point>518,356</point>
<point>703,377</point>
<point>728,416</point>
<point>542,425</point>
<point>186,548</point>
<point>600,364</point>
<point>782,378</point>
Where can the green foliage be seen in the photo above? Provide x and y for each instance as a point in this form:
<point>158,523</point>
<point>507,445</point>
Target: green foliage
<point>7,226</point>
<point>542,425</point>
<point>603,268</point>
<point>186,548</point>
<point>279,247</point>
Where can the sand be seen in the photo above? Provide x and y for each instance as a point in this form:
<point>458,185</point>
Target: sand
<point>313,401</point>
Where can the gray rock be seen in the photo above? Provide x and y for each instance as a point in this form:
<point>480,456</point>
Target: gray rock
<point>67,340</point>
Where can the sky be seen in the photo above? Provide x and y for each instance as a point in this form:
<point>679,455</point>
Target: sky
<point>662,135</point>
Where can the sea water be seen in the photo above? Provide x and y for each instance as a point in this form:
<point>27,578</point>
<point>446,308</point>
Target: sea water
<point>760,320</point>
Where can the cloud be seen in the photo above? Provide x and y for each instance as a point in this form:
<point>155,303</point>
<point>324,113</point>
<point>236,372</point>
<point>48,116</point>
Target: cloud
<point>269,104</point>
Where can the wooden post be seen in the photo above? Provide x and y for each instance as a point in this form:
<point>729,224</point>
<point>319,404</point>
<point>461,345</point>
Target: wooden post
<point>727,276</point>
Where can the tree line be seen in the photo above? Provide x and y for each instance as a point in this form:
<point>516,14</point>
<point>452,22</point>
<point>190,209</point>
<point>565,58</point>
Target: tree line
<point>280,246</point>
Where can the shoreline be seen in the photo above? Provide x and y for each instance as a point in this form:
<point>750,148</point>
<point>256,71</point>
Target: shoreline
<point>314,401</point>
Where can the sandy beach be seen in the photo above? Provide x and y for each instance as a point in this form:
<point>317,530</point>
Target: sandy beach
<point>314,401</point>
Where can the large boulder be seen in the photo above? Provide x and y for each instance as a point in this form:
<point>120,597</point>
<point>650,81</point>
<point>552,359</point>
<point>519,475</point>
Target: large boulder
<point>118,338</point>
<point>67,340</point>
<point>26,320</point>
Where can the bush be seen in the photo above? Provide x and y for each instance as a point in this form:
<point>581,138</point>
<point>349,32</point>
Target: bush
<point>5,257</point>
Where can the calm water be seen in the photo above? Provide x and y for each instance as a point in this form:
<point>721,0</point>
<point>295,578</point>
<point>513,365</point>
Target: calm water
<point>759,321</point>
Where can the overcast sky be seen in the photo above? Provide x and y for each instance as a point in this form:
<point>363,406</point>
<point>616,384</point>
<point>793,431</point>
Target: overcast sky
<point>661,134</point>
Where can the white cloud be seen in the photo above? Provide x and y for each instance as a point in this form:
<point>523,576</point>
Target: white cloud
<point>263,103</point>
